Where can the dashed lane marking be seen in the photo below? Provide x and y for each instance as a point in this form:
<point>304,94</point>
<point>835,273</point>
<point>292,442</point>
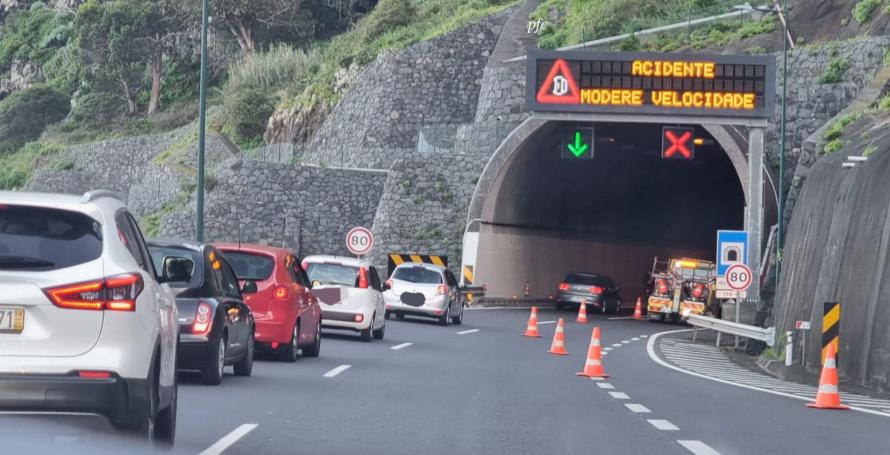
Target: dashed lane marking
<point>619,395</point>
<point>698,448</point>
<point>401,346</point>
<point>638,408</point>
<point>605,385</point>
<point>596,379</point>
<point>336,371</point>
<point>625,341</point>
<point>635,339</point>
<point>607,349</point>
<point>616,345</point>
<point>546,322</point>
<point>465,332</point>
<point>226,441</point>
<point>662,425</point>
<point>644,336</point>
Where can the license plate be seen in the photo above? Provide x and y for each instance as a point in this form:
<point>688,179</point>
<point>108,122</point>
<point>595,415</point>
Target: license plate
<point>12,319</point>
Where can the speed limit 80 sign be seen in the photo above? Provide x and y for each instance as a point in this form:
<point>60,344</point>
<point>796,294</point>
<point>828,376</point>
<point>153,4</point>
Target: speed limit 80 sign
<point>359,241</point>
<point>738,277</point>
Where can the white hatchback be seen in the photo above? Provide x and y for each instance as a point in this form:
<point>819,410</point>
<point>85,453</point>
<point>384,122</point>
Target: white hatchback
<point>428,290</point>
<point>85,325</point>
<point>349,292</point>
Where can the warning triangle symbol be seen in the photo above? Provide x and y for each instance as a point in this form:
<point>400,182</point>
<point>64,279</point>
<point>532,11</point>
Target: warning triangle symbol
<point>559,86</point>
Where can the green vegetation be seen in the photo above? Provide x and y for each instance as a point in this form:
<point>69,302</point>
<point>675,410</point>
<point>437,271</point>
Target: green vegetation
<point>756,50</point>
<point>714,35</point>
<point>18,167</point>
<point>837,67</point>
<point>871,148</point>
<point>26,113</point>
<point>837,128</point>
<point>863,10</point>
<point>884,103</point>
<point>833,146</point>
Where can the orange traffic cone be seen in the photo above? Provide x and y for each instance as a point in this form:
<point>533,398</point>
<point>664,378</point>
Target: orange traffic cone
<point>582,313</point>
<point>593,367</point>
<point>638,310</point>
<point>531,330</point>
<point>828,396</point>
<point>558,346</point>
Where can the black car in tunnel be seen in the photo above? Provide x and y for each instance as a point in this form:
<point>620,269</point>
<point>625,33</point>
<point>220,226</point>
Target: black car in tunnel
<point>598,291</point>
<point>216,327</point>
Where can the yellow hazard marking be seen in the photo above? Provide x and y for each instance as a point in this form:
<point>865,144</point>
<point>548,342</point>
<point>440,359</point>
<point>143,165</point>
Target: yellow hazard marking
<point>468,274</point>
<point>437,260</point>
<point>831,318</point>
<point>416,258</point>
<point>397,259</point>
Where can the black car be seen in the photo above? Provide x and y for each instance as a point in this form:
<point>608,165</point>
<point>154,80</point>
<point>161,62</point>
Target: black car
<point>599,291</point>
<point>216,327</point>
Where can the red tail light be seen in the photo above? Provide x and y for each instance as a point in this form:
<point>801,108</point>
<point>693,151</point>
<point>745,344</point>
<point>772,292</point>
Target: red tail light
<point>362,278</point>
<point>281,293</point>
<point>359,318</point>
<point>563,286</point>
<point>698,290</point>
<point>203,320</point>
<point>117,293</point>
<point>662,286</point>
<point>596,290</point>
<point>442,289</point>
<point>94,374</point>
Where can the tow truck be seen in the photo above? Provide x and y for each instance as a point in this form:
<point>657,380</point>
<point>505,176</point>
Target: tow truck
<point>680,287</point>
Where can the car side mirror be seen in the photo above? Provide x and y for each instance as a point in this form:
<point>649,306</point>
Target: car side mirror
<point>249,287</point>
<point>177,269</point>
<point>387,285</point>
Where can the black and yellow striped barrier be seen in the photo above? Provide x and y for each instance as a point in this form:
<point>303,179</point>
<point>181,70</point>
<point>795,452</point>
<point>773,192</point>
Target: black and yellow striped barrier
<point>397,259</point>
<point>831,325</point>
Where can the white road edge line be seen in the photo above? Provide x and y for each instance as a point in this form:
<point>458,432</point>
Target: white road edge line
<point>650,349</point>
<point>698,448</point>
<point>465,332</point>
<point>662,425</point>
<point>546,322</point>
<point>336,371</point>
<point>226,441</point>
<point>620,318</point>
<point>401,346</point>
<point>638,408</point>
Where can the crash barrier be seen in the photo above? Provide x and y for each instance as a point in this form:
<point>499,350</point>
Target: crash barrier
<point>397,259</point>
<point>767,335</point>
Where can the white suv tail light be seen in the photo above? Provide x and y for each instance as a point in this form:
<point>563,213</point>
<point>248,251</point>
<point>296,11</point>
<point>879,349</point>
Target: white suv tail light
<point>117,293</point>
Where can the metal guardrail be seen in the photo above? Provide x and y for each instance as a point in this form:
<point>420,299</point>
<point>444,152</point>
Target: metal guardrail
<point>767,335</point>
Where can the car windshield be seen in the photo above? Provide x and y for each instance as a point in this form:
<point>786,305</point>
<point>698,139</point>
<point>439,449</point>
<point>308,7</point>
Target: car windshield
<point>420,275</point>
<point>158,253</point>
<point>250,266</point>
<point>332,273</point>
<point>33,238</point>
<point>588,279</point>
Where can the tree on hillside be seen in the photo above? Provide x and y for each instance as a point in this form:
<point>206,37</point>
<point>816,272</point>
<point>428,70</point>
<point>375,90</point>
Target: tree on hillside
<point>255,21</point>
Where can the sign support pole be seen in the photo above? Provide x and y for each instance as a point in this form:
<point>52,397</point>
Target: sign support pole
<point>755,208</point>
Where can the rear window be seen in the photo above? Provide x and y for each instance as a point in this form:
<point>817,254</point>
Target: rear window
<point>158,253</point>
<point>417,275</point>
<point>33,238</point>
<point>249,266</point>
<point>589,280</point>
<point>329,273</point>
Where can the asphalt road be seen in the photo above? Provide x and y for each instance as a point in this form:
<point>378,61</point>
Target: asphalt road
<point>489,391</point>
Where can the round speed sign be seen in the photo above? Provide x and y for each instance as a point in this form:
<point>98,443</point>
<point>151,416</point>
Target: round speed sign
<point>359,241</point>
<point>738,277</point>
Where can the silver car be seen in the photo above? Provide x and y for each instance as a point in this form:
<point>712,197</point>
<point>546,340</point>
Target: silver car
<point>424,290</point>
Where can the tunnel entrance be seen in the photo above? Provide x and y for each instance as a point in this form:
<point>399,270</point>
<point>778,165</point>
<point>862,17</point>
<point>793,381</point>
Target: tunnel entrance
<point>544,216</point>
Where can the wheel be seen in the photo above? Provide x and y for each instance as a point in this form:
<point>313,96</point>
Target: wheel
<point>289,353</point>
<point>444,320</point>
<point>386,315</point>
<point>459,319</point>
<point>367,334</point>
<point>378,334</point>
<point>560,305</point>
<point>165,423</point>
<point>244,367</point>
<point>314,349</point>
<point>213,374</point>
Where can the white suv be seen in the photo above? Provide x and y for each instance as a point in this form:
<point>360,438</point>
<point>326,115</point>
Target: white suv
<point>85,325</point>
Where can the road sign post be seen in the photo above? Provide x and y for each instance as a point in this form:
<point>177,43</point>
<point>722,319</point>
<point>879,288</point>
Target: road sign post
<point>359,241</point>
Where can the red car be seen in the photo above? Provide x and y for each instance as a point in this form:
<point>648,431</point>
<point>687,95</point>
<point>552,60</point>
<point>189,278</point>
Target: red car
<point>277,290</point>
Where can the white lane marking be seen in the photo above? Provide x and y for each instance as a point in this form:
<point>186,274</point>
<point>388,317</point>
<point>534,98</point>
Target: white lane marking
<point>616,345</point>
<point>619,395</point>
<point>698,448</point>
<point>336,371</point>
<point>596,379</point>
<point>401,346</point>
<point>662,425</point>
<point>638,408</point>
<point>607,349</point>
<point>625,341</point>
<point>635,339</point>
<point>546,322</point>
<point>644,336</point>
<point>620,318</point>
<point>605,353</point>
<point>605,385</point>
<point>468,331</point>
<point>226,441</point>
<point>650,349</point>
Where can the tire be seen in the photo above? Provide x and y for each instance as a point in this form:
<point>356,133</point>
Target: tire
<point>560,306</point>
<point>387,315</point>
<point>213,374</point>
<point>444,320</point>
<point>314,349</point>
<point>244,367</point>
<point>368,334</point>
<point>289,353</point>
<point>378,334</point>
<point>459,319</point>
<point>164,432</point>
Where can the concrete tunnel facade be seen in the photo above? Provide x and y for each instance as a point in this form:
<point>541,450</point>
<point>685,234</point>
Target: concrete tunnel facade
<point>535,217</point>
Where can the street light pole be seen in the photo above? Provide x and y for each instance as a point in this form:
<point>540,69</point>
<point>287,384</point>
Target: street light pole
<point>780,230</point>
<point>202,126</point>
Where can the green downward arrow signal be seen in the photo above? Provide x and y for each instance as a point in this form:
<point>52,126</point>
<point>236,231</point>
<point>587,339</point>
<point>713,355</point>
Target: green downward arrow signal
<point>579,147</point>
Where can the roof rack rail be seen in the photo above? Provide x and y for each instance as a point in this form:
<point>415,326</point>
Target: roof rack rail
<point>91,196</point>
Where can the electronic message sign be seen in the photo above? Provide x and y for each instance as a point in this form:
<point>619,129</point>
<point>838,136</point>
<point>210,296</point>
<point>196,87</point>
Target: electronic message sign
<point>740,86</point>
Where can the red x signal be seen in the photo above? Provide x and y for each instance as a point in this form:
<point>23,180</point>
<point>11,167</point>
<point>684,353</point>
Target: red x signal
<point>677,143</point>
